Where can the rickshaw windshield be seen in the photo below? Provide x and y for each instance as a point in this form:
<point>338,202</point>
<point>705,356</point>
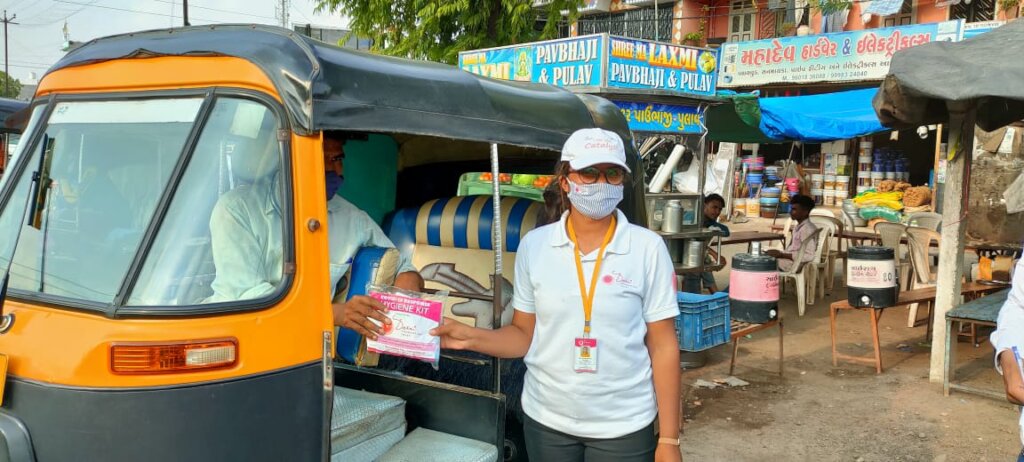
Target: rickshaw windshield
<point>95,177</point>
<point>89,195</point>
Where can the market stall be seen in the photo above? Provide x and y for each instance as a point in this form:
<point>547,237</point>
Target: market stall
<point>663,91</point>
<point>976,82</point>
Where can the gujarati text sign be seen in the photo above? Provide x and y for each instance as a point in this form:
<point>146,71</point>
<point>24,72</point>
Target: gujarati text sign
<point>838,57</point>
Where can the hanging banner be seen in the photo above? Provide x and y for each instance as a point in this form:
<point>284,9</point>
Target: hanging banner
<point>652,65</point>
<point>862,55</point>
<point>562,63</point>
<point>661,118</point>
<point>601,61</point>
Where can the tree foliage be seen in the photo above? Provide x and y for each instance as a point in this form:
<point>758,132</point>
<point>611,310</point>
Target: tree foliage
<point>438,30</point>
<point>13,86</point>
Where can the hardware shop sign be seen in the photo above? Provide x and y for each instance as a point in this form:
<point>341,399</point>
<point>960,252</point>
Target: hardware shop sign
<point>862,55</point>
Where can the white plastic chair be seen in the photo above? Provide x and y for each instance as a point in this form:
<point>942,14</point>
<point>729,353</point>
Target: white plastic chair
<point>822,213</point>
<point>891,235</point>
<point>802,274</point>
<point>787,234</point>
<point>927,220</point>
<point>919,241</point>
<point>821,254</point>
<point>835,251</point>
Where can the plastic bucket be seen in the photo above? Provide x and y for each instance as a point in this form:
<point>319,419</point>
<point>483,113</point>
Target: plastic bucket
<point>830,182</point>
<point>770,192</point>
<point>817,195</point>
<point>828,198</point>
<point>793,184</point>
<point>841,195</point>
<point>842,183</point>
<point>817,181</point>
<point>753,208</point>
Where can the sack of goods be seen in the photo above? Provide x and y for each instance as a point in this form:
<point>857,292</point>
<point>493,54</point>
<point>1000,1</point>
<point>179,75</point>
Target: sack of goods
<point>892,200</point>
<point>917,196</point>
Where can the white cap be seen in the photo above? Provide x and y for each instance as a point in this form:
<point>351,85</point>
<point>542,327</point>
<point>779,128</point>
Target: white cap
<point>592,146</point>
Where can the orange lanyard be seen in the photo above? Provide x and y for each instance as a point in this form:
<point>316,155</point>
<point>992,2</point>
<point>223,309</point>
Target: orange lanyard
<point>588,295</point>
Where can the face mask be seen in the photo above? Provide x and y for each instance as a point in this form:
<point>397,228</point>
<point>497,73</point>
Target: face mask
<point>333,181</point>
<point>597,200</point>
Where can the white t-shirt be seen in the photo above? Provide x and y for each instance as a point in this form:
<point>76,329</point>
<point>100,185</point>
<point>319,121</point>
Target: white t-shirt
<point>637,286</point>
<point>1009,332</point>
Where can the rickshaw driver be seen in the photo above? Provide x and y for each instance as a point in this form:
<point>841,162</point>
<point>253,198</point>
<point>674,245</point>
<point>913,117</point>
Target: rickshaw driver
<point>244,271</point>
<point>350,229</point>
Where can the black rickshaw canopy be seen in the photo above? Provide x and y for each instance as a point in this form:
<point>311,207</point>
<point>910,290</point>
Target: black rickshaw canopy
<point>329,88</point>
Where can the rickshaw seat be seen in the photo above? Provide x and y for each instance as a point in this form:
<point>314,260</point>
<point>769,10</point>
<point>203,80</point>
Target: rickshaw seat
<point>462,222</point>
<point>449,242</point>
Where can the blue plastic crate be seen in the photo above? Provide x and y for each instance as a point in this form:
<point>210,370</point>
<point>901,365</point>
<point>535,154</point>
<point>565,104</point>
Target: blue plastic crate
<point>703,320</point>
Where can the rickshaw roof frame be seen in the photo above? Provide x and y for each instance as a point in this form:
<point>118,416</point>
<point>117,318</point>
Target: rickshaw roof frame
<point>325,87</point>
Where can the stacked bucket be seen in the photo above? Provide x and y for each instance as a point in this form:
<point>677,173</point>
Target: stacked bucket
<point>770,202</point>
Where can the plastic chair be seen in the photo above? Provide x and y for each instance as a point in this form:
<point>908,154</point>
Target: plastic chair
<point>822,253</point>
<point>822,213</point>
<point>803,274</point>
<point>836,250</point>
<point>891,235</point>
<point>927,220</point>
<point>919,241</point>
<point>787,233</point>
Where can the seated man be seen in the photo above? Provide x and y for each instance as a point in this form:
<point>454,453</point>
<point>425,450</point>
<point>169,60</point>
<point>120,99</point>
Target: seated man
<point>246,235</point>
<point>800,211</point>
<point>713,205</point>
<point>350,229</point>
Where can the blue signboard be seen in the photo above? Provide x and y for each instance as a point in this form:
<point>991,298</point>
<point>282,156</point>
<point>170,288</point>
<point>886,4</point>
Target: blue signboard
<point>651,65</point>
<point>563,63</point>
<point>661,118</point>
<point>601,61</point>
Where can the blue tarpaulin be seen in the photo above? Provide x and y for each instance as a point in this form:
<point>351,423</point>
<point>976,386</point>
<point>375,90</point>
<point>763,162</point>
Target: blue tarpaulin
<point>819,118</point>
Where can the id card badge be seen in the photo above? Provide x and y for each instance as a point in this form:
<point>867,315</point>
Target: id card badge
<point>585,355</point>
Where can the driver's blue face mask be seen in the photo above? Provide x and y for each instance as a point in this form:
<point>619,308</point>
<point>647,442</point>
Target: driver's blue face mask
<point>333,182</point>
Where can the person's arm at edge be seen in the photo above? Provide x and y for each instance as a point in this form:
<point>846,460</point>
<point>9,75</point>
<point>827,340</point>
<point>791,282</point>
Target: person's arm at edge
<point>1011,377</point>
<point>511,341</point>
<point>663,347</point>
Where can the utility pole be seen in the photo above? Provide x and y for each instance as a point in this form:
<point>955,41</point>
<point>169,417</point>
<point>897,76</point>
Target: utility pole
<point>184,5</point>
<point>282,13</point>
<point>7,73</point>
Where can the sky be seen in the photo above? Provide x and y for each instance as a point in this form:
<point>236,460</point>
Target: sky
<point>35,42</point>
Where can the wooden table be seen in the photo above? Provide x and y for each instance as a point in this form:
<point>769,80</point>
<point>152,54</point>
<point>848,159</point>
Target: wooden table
<point>926,295</point>
<point>983,311</point>
<point>740,329</point>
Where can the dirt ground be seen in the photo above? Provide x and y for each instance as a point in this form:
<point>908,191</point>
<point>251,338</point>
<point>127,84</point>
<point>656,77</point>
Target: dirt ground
<point>818,412</point>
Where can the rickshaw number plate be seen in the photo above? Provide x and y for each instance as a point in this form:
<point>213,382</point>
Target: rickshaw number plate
<point>3,376</point>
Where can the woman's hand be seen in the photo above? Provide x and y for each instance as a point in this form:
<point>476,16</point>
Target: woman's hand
<point>454,334</point>
<point>668,453</point>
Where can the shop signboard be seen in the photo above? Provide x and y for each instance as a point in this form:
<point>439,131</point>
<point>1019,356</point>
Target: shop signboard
<point>972,29</point>
<point>862,55</point>
<point>644,64</point>
<point>601,61</point>
<point>661,118</point>
<point>562,63</point>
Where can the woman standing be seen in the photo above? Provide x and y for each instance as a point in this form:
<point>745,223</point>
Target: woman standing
<point>595,304</point>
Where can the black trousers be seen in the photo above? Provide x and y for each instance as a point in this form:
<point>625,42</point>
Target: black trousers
<point>544,444</point>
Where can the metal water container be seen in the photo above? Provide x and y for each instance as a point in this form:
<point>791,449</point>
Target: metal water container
<point>672,218</point>
<point>754,288</point>
<point>693,253</point>
<point>871,277</point>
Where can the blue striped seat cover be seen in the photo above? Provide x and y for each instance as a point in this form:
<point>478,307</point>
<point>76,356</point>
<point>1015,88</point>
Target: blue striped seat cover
<point>462,222</point>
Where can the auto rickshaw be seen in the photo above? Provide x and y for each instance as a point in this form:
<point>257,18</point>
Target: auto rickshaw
<point>116,343</point>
